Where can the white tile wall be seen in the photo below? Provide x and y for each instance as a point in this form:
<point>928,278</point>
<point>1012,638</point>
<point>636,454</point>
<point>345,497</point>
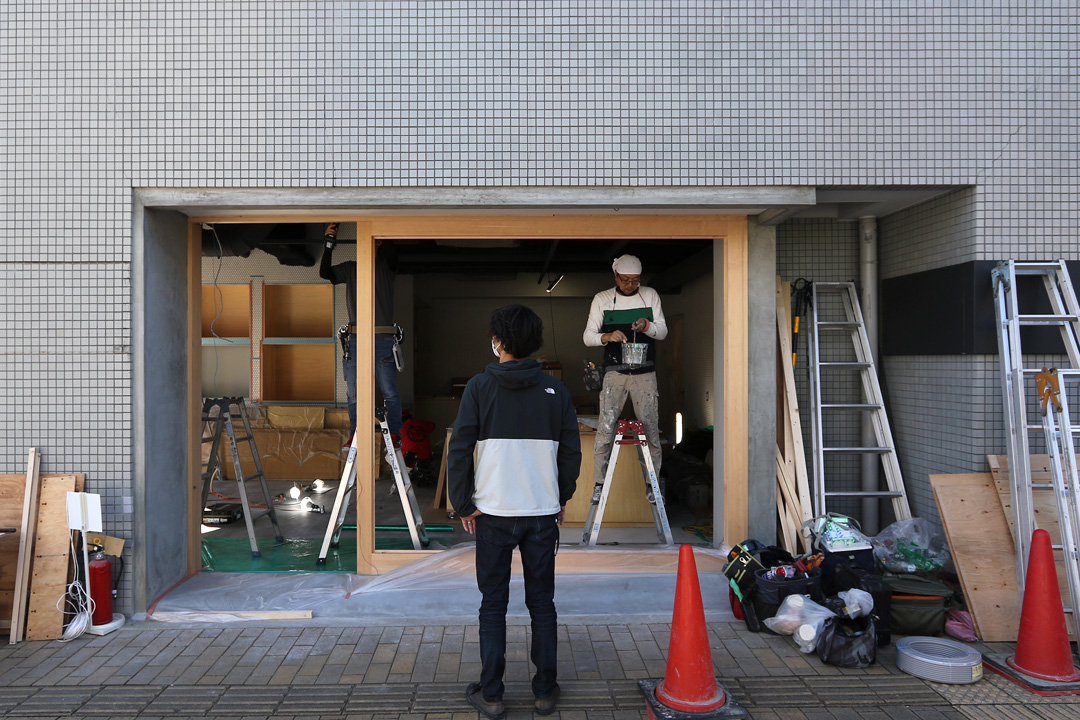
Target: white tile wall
<point>103,97</point>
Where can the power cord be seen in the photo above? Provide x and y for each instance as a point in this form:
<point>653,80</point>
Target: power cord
<point>80,602</point>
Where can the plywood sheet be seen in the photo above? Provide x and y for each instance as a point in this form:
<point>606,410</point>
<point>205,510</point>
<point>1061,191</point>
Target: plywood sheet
<point>982,550</point>
<point>52,556</point>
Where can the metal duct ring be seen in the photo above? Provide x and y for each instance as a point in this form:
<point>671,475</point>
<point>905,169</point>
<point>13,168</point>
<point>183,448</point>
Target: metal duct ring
<point>939,660</point>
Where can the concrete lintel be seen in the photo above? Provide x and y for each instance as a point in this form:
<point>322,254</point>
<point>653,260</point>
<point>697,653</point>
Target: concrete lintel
<point>734,200</point>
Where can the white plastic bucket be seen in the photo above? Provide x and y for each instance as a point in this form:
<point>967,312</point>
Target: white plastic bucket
<point>634,353</point>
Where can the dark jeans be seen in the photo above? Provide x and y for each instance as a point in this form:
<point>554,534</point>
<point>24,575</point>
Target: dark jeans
<point>537,538</point>
<point>385,375</point>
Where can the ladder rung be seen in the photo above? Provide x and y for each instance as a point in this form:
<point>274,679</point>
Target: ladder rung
<point>243,438</point>
<point>252,477</point>
<point>868,450</point>
<point>837,324</point>
<point>865,493</point>
<point>1047,319</point>
<point>1034,268</point>
<point>1062,372</point>
<point>851,406</point>
<point>852,364</point>
<point>209,439</point>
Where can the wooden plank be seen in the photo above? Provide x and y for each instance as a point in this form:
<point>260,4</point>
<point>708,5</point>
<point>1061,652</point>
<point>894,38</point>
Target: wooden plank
<point>52,556</point>
<point>28,527</point>
<point>796,452</point>
<point>786,501</point>
<point>982,551</point>
<point>441,501</point>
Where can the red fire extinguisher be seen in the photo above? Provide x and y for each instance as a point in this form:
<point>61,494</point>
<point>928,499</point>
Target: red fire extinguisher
<point>101,589</point>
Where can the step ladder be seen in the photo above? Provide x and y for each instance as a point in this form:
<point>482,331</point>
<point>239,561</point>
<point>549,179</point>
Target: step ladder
<point>216,425</point>
<point>835,312</point>
<point>628,432</point>
<point>403,487</point>
<point>1020,385</point>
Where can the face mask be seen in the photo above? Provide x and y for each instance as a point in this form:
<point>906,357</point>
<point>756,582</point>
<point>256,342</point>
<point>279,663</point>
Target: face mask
<point>493,349</point>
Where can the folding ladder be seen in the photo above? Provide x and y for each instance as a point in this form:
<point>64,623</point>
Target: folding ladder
<point>826,298</point>
<point>403,485</point>
<point>221,423</point>
<point>1062,455</point>
<point>1017,382</point>
<point>628,432</point>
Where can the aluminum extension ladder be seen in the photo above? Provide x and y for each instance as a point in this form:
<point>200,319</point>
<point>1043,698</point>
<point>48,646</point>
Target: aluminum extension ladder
<point>1051,388</point>
<point>628,432</point>
<point>403,485</point>
<point>850,325</point>
<point>221,423</point>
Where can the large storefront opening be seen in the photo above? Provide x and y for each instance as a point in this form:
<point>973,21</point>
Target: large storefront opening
<point>267,324</point>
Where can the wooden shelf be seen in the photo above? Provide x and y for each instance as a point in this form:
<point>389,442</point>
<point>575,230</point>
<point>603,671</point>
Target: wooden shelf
<point>298,311</point>
<point>298,372</point>
<point>234,303</point>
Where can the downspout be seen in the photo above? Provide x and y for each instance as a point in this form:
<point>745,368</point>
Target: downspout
<point>868,299</point>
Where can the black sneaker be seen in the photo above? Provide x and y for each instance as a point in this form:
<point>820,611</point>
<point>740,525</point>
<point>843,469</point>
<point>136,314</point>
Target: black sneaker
<point>546,706</point>
<point>493,709</point>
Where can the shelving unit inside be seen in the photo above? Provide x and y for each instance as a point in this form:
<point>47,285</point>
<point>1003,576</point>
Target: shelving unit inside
<point>298,311</point>
<point>226,311</point>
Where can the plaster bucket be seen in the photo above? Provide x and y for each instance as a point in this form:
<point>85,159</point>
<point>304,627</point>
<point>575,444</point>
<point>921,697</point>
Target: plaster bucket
<point>634,353</point>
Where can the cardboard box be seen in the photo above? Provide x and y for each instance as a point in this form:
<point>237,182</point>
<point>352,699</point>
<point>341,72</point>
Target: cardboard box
<point>296,417</point>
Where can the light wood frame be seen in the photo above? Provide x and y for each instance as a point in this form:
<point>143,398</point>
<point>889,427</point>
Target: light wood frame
<point>729,232</point>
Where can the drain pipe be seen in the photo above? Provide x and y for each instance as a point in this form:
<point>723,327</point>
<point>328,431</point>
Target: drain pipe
<point>868,299</point>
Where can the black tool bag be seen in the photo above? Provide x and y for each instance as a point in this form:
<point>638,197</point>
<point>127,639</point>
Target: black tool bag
<point>853,575</point>
<point>832,560</point>
<point>848,642</point>
<point>918,605</point>
<point>768,593</point>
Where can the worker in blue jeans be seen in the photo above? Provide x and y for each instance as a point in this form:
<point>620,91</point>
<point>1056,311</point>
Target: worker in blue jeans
<point>386,263</point>
<point>521,424</point>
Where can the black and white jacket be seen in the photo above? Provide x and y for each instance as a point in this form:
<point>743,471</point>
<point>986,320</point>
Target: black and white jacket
<point>523,428</point>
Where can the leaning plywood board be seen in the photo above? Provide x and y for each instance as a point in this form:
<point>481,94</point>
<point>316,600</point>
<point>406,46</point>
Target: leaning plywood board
<point>12,488</point>
<point>982,550</point>
<point>1043,504</point>
<point>52,556</point>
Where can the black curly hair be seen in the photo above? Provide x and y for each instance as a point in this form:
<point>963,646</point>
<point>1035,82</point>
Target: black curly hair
<point>518,328</point>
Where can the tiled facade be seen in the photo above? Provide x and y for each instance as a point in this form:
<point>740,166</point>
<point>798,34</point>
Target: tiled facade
<point>103,98</point>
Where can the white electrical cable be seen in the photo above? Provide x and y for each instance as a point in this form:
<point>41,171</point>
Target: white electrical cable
<point>80,601</point>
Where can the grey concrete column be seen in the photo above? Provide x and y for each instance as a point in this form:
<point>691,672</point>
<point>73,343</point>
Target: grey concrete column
<point>761,283</point>
<point>868,300</point>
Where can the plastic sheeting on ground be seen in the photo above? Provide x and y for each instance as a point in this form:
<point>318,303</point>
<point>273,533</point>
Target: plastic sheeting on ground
<point>441,589</point>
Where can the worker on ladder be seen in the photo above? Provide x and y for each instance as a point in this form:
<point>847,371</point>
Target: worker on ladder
<point>627,313</point>
<point>388,335</point>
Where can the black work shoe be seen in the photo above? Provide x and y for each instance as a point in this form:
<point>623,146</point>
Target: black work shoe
<point>493,709</point>
<point>546,706</point>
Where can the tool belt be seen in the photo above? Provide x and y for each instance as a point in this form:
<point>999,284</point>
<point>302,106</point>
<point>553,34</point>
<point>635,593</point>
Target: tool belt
<point>379,329</point>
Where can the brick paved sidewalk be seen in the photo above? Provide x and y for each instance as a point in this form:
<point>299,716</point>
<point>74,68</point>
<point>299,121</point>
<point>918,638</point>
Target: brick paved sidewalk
<point>150,670</point>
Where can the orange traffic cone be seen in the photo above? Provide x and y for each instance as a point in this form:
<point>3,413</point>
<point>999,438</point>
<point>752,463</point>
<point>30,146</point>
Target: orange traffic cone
<point>1043,662</point>
<point>689,688</point>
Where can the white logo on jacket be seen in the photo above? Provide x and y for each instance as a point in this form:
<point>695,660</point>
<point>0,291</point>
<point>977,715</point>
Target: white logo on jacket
<point>549,391</point>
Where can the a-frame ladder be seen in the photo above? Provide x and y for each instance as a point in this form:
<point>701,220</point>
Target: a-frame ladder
<point>1036,400</point>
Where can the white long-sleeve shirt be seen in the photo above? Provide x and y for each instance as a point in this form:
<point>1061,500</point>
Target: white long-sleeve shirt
<point>611,300</point>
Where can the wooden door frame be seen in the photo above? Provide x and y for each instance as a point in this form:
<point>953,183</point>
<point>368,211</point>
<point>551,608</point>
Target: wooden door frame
<point>728,232</point>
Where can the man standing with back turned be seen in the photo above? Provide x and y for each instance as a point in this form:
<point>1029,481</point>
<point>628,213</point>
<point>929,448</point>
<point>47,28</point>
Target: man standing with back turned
<point>523,428</point>
<point>628,312</point>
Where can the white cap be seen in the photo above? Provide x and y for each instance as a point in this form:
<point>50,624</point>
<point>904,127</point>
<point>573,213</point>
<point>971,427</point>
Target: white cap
<point>627,265</point>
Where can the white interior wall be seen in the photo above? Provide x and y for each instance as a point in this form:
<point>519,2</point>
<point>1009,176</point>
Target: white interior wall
<point>695,304</point>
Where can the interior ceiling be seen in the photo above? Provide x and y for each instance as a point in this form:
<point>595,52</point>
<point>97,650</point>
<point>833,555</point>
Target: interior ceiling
<point>300,244</point>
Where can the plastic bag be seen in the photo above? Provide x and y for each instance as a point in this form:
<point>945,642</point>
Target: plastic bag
<point>837,533</point>
<point>913,545</point>
<point>958,624</point>
<point>802,618</point>
<point>859,602</point>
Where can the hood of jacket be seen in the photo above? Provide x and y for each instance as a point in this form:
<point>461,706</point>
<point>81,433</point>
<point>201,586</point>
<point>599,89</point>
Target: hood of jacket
<point>515,374</point>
